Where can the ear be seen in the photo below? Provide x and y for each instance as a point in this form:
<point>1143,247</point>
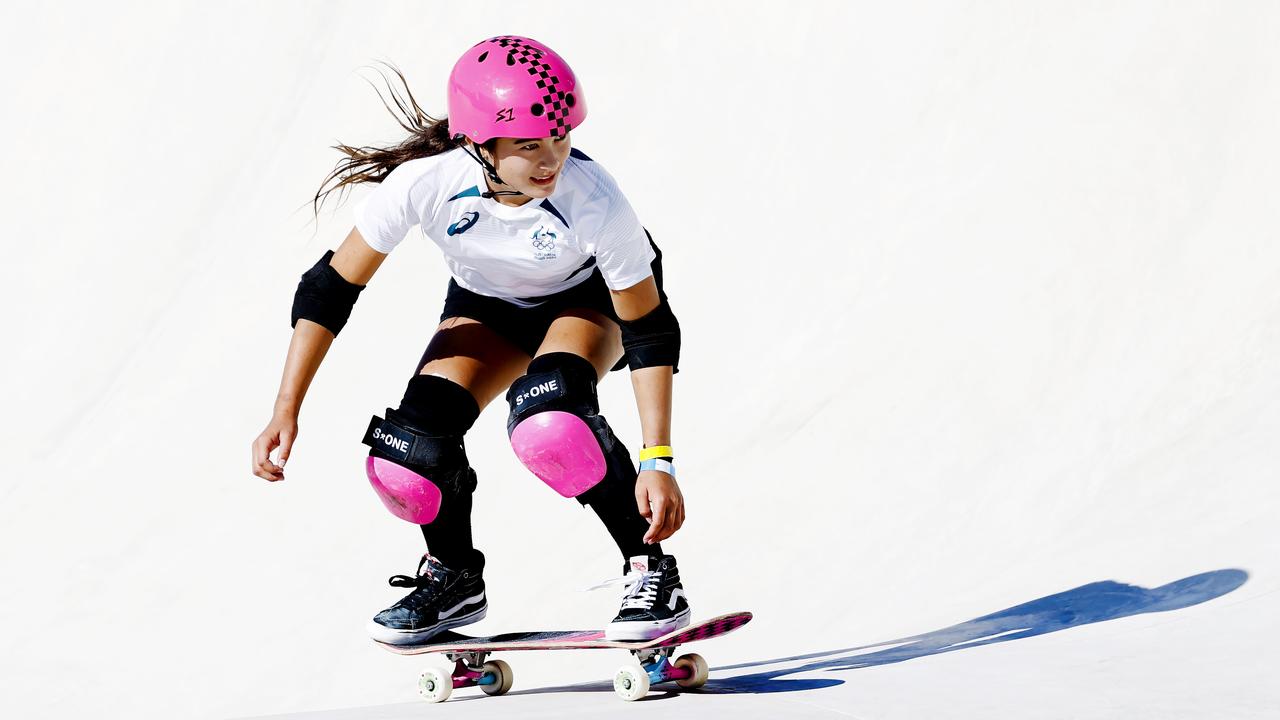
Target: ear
<point>485,153</point>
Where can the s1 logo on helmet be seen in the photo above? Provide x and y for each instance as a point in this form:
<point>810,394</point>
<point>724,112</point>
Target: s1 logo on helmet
<point>505,115</point>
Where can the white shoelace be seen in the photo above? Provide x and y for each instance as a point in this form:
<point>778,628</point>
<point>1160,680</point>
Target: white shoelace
<point>642,591</point>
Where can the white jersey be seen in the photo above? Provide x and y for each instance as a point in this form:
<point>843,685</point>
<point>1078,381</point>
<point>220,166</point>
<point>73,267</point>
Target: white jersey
<point>515,253</point>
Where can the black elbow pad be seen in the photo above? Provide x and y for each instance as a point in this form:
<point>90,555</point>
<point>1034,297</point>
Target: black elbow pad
<point>324,297</point>
<point>653,340</point>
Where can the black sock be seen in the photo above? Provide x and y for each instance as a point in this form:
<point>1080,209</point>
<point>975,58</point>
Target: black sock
<point>613,498</point>
<point>614,501</point>
<point>438,406</point>
<point>449,536</point>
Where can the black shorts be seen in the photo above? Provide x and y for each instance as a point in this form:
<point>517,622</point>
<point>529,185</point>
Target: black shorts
<point>525,327</point>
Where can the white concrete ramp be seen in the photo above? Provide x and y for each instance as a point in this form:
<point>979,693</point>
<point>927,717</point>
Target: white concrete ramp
<point>979,407</point>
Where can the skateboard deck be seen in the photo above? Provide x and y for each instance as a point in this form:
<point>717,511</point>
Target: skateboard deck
<point>452,642</point>
<point>630,682</point>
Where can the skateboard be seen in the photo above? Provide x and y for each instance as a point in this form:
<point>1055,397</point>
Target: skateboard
<point>630,682</point>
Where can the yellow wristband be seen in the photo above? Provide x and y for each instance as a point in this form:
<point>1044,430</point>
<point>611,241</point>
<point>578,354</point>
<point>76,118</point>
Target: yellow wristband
<point>660,451</point>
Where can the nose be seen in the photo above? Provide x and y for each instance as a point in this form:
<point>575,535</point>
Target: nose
<point>552,155</point>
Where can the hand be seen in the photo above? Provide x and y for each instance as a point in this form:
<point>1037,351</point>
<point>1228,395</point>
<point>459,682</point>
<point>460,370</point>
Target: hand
<point>281,432</point>
<point>660,502</point>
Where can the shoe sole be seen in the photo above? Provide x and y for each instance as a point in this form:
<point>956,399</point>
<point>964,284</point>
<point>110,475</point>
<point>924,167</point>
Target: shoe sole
<point>646,629</point>
<point>392,636</point>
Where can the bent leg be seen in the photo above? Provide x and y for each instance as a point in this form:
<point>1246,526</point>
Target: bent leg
<point>587,334</point>
<point>418,463</point>
<point>474,356</point>
<point>558,431</point>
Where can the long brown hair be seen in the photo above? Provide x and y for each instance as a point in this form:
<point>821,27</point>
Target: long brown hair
<point>427,136</point>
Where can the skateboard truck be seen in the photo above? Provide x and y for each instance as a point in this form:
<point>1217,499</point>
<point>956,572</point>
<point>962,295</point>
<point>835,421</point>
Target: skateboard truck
<point>469,670</point>
<point>653,658</point>
<point>657,663</point>
<point>632,683</point>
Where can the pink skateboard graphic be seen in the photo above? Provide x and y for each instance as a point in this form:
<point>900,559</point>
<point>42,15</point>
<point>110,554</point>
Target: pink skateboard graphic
<point>631,682</point>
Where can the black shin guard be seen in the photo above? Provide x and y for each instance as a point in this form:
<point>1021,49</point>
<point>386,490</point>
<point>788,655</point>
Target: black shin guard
<point>449,537</point>
<point>614,502</point>
<point>439,407</point>
<point>613,498</point>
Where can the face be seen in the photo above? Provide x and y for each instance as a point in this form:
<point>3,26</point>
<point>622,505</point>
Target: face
<point>531,166</point>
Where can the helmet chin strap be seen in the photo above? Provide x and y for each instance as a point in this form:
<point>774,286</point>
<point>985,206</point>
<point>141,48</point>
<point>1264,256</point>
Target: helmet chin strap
<point>492,172</point>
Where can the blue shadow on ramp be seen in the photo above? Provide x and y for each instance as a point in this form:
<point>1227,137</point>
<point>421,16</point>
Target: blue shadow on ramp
<point>1092,603</point>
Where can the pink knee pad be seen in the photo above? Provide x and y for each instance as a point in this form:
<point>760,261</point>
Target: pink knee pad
<point>408,495</point>
<point>560,449</point>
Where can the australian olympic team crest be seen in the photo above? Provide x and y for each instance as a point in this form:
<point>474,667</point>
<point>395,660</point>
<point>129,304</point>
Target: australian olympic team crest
<point>544,244</point>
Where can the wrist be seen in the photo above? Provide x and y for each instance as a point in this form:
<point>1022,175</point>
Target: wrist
<point>657,450</point>
<point>286,407</point>
<point>659,465</point>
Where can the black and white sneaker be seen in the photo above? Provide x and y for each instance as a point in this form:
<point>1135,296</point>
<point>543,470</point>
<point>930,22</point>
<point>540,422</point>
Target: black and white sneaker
<point>654,603</point>
<point>443,598</point>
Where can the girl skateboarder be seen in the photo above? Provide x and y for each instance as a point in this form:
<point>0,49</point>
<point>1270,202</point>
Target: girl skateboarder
<point>554,283</point>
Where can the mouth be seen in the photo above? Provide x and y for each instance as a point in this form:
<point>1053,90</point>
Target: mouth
<point>543,180</point>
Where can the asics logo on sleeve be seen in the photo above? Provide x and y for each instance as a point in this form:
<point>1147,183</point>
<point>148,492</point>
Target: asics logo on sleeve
<point>463,224</point>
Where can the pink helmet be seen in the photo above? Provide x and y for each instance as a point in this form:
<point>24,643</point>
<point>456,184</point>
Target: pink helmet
<point>511,86</point>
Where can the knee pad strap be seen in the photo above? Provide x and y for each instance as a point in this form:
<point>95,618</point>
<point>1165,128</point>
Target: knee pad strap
<point>403,461</point>
<point>400,441</point>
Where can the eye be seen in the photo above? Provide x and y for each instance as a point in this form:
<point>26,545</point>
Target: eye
<point>530,146</point>
<point>561,138</point>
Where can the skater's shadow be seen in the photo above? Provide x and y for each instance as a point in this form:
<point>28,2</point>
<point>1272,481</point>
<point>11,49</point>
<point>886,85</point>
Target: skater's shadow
<point>1092,603</point>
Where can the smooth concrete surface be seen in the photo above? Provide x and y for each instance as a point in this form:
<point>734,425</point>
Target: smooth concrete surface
<point>979,401</point>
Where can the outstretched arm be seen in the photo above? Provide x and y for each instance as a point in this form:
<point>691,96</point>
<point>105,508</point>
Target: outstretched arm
<point>657,494</point>
<point>356,263</point>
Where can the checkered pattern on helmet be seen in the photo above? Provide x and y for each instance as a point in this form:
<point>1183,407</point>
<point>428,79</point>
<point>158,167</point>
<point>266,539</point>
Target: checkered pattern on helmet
<point>553,99</point>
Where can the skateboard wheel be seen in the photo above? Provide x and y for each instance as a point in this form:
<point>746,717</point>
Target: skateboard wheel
<point>631,682</point>
<point>435,686</point>
<point>697,666</point>
<point>501,677</point>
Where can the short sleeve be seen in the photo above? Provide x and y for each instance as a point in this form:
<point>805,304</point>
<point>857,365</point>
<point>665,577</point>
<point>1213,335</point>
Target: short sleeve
<point>623,252</point>
<point>393,208</point>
